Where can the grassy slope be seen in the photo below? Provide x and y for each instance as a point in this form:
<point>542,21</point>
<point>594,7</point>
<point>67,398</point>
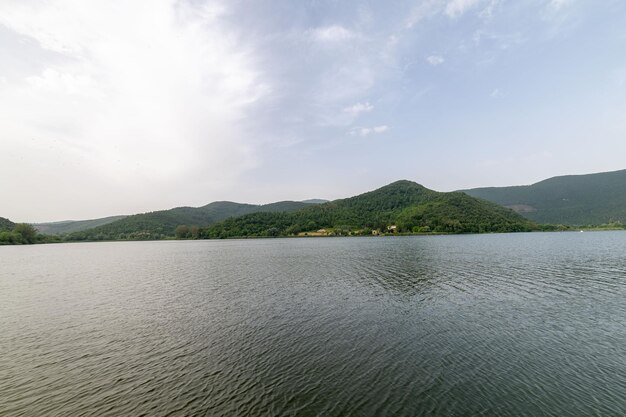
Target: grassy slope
<point>573,199</point>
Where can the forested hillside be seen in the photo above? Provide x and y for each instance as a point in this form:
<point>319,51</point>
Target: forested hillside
<point>21,234</point>
<point>70,226</point>
<point>572,199</point>
<point>406,205</point>
<point>161,224</point>
<point>6,225</point>
<point>400,207</point>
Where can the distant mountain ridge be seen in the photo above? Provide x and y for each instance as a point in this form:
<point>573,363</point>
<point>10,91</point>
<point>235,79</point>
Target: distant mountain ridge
<point>163,223</point>
<point>572,200</point>
<point>402,206</point>
<point>589,199</point>
<point>70,226</point>
<point>315,201</point>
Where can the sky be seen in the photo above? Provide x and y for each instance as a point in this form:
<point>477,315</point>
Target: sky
<point>115,107</point>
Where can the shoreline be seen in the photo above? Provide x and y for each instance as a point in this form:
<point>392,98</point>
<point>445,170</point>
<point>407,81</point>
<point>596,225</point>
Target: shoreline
<point>388,235</point>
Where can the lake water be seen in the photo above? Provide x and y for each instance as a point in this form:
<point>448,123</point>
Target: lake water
<point>510,324</point>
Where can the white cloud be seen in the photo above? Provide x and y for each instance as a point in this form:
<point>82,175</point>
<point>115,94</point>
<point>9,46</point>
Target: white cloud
<point>366,131</point>
<point>452,8</point>
<point>435,60</point>
<point>456,8</point>
<point>495,93</point>
<point>500,41</point>
<point>489,10</point>
<point>423,10</point>
<point>558,4</point>
<point>56,81</point>
<point>141,95</point>
<point>333,33</point>
<point>359,108</point>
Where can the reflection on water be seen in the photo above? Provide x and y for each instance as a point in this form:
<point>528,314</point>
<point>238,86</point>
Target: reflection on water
<point>521,324</point>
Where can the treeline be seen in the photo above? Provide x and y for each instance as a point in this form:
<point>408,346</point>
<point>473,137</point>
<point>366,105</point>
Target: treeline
<point>25,234</point>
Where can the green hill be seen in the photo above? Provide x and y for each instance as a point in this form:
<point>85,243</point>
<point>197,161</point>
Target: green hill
<point>404,204</point>
<point>6,225</point>
<point>21,234</point>
<point>160,224</point>
<point>70,226</point>
<point>571,200</point>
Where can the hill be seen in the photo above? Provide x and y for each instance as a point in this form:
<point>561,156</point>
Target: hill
<point>21,234</point>
<point>6,225</point>
<point>70,226</point>
<point>404,204</point>
<point>163,223</point>
<point>571,200</point>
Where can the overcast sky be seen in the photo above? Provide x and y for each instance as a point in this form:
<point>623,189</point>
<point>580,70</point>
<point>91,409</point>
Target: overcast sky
<point>116,107</point>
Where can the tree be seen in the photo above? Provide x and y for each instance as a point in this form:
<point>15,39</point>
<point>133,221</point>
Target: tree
<point>28,232</point>
<point>6,238</point>
<point>182,231</point>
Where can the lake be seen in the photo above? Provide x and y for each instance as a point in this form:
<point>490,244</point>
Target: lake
<point>502,324</point>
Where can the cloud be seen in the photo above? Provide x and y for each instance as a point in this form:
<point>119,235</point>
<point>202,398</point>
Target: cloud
<point>482,38</point>
<point>451,8</point>
<point>332,34</point>
<point>489,10</point>
<point>557,5</point>
<point>423,10</point>
<point>495,93</point>
<point>366,131</point>
<point>123,106</point>
<point>456,8</point>
<point>435,60</point>
<point>359,108</point>
<point>144,99</point>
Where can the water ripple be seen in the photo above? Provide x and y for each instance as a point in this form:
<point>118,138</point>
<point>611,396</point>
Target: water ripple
<point>522,324</point>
